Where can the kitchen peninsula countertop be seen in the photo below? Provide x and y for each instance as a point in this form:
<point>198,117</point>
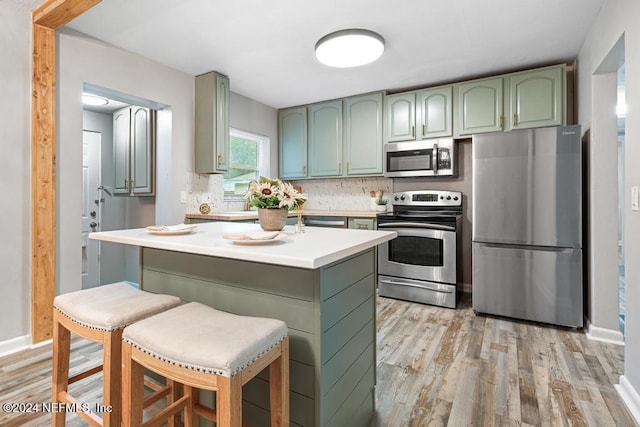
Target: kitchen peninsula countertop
<point>248,215</point>
<point>322,283</point>
<point>315,248</point>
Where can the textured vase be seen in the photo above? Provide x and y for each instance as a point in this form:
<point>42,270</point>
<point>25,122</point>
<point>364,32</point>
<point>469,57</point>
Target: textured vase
<point>272,219</point>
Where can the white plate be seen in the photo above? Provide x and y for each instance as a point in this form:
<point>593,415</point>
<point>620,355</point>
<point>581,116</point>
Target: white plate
<point>256,242</point>
<point>172,232</point>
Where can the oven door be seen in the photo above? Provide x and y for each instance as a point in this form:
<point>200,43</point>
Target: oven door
<point>421,251</point>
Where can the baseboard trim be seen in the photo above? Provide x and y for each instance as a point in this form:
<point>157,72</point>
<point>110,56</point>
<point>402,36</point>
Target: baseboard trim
<point>610,336</point>
<point>630,397</point>
<point>17,344</point>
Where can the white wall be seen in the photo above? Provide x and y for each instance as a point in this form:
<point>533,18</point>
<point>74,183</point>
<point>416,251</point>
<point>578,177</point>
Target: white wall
<point>618,18</point>
<point>15,169</point>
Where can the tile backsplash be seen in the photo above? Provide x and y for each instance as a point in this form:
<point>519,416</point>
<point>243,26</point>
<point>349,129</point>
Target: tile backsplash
<point>341,194</point>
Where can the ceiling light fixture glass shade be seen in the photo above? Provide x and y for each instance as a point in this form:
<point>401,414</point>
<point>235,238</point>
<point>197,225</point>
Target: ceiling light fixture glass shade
<point>349,48</point>
<point>88,99</point>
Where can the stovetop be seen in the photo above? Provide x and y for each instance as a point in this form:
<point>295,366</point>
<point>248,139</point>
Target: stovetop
<point>425,205</point>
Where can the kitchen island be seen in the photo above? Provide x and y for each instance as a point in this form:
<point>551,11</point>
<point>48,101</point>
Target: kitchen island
<point>321,283</point>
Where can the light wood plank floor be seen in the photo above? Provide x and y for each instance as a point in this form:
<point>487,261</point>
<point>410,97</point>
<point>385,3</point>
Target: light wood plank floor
<point>436,367</point>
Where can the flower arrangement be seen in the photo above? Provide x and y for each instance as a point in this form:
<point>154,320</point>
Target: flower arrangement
<point>273,194</point>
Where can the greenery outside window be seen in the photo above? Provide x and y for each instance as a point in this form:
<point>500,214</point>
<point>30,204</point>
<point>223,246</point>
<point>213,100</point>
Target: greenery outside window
<point>248,160</point>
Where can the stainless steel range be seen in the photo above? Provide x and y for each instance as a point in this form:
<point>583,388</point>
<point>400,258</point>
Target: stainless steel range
<point>423,264</point>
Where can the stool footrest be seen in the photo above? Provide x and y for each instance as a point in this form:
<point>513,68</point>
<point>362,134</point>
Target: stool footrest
<point>161,417</point>
<point>204,411</point>
<point>85,374</point>
<point>88,416</point>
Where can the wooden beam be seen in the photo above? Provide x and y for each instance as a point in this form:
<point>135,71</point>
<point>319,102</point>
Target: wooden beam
<point>46,19</point>
<point>56,13</point>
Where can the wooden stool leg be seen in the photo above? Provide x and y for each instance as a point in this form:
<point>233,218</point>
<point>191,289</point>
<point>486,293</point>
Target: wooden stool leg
<point>112,378</point>
<point>229,401</point>
<point>132,389</point>
<point>279,387</point>
<point>60,383</point>
<point>191,419</point>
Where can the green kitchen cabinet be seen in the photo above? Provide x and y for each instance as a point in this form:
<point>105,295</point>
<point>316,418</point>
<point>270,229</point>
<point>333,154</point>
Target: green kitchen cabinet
<point>418,115</point>
<point>400,112</point>
<point>133,151</point>
<point>537,98</point>
<point>434,112</point>
<point>363,134</point>
<point>325,139</point>
<point>479,106</point>
<point>292,142</point>
<point>211,123</point>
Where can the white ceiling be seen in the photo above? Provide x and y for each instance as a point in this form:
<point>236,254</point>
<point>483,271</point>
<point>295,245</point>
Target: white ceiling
<point>266,47</point>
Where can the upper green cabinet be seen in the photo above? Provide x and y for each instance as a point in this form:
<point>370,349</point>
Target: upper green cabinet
<point>133,151</point>
<point>363,134</point>
<point>435,112</point>
<point>292,142</point>
<point>325,139</point>
<point>336,138</point>
<point>527,99</point>
<point>536,98</point>
<point>211,123</point>
<point>400,110</point>
<point>479,106</point>
<point>419,114</point>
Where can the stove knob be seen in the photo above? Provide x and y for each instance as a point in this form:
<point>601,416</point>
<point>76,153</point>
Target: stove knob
<point>455,197</point>
<point>402,197</point>
<point>396,198</point>
<point>448,197</point>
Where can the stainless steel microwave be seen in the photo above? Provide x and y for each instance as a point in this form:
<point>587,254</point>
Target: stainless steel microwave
<point>430,157</point>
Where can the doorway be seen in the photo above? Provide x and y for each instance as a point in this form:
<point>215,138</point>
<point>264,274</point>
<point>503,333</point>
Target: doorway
<point>111,211</point>
<point>91,144</point>
<point>621,109</point>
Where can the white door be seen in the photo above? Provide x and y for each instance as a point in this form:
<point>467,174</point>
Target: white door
<point>90,207</point>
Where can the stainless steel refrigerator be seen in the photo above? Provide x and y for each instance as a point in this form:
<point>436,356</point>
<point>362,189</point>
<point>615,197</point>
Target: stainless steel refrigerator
<point>527,225</point>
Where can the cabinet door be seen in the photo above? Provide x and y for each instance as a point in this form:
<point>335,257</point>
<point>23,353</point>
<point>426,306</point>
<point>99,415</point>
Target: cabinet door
<point>142,151</point>
<point>211,123</point>
<point>435,112</point>
<point>400,111</point>
<point>536,98</point>
<point>292,142</point>
<point>480,106</point>
<point>121,136</point>
<point>363,134</point>
<point>222,123</point>
<point>325,139</point>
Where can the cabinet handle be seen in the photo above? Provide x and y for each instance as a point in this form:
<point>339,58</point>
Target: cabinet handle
<point>515,119</point>
<point>304,169</point>
<point>219,159</point>
<point>413,131</point>
<point>347,167</point>
<point>501,121</point>
<point>424,130</point>
<point>339,167</point>
<point>126,185</point>
<point>131,186</point>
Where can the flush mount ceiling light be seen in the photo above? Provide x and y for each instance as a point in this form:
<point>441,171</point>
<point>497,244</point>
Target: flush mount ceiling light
<point>349,48</point>
<point>88,99</point>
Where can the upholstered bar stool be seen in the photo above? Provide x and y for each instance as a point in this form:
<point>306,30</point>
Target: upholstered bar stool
<point>204,348</point>
<point>100,315</point>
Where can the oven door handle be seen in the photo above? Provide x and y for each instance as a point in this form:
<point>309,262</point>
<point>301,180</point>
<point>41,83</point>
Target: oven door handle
<point>414,285</point>
<point>416,225</point>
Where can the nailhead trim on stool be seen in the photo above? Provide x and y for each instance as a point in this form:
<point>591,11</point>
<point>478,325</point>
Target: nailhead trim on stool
<point>98,314</point>
<point>205,348</point>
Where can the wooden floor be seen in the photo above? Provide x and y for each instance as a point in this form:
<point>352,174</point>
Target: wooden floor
<point>436,367</point>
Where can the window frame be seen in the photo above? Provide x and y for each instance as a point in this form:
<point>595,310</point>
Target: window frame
<point>264,144</point>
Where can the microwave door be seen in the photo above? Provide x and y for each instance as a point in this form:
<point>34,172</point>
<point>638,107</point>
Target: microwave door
<point>410,162</point>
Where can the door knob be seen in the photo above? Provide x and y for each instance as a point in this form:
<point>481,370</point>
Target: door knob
<point>93,214</point>
<point>93,224</point>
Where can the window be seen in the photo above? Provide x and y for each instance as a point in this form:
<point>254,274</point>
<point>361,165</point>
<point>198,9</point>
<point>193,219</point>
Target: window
<point>248,160</point>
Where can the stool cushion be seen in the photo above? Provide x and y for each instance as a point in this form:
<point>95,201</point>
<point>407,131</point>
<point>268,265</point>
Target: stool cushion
<point>112,307</point>
<point>198,337</point>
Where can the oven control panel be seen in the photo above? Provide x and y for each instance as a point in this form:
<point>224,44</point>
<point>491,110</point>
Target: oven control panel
<point>427,198</point>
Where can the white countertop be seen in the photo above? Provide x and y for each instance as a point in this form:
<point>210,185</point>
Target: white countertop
<point>247,215</point>
<point>315,248</point>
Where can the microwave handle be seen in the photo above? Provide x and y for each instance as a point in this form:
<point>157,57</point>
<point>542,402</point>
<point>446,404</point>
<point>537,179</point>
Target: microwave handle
<point>435,158</point>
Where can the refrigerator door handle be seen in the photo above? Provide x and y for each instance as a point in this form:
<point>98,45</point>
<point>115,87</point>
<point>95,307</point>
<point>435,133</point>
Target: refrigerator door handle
<point>529,247</point>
